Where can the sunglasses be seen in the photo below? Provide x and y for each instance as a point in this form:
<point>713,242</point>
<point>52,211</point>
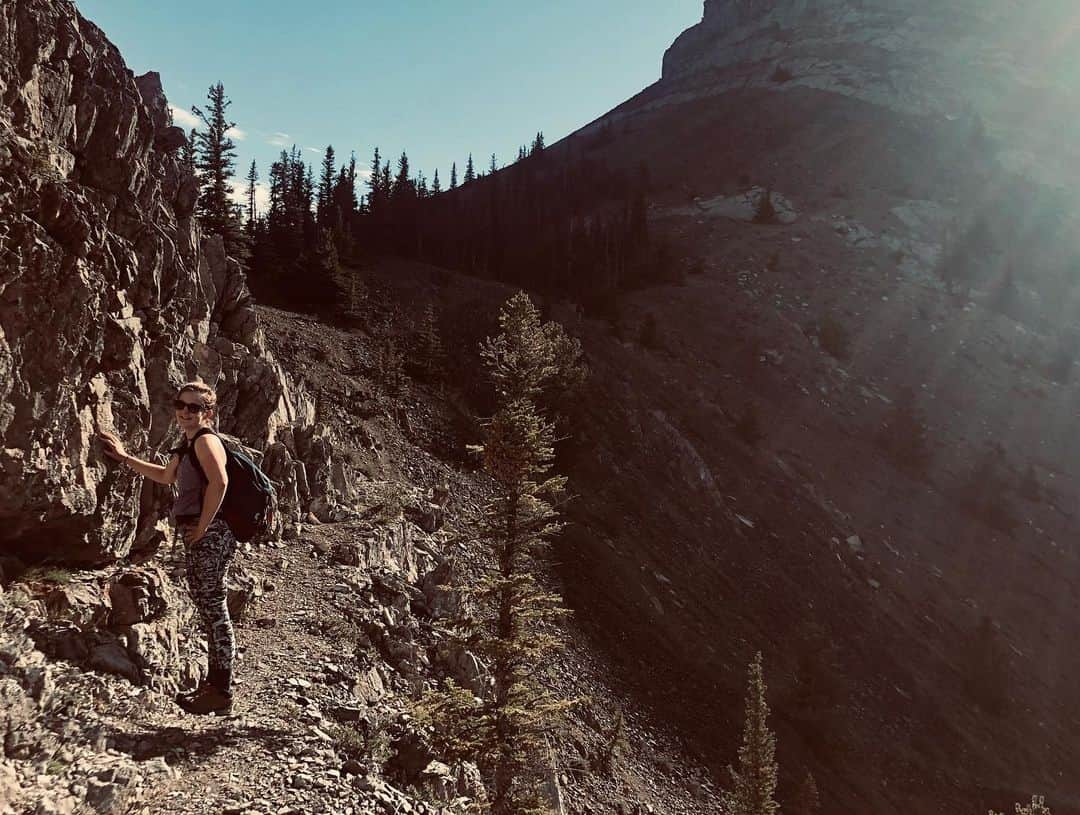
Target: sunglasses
<point>190,407</point>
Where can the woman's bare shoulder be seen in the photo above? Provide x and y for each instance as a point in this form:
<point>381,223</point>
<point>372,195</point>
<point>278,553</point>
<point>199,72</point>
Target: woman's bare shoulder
<point>209,441</point>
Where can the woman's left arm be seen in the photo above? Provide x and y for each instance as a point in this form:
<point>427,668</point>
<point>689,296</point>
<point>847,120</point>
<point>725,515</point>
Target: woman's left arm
<point>211,454</point>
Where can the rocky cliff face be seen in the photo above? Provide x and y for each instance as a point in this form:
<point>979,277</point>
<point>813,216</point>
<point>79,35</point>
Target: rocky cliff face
<point>912,56</point>
<point>109,296</point>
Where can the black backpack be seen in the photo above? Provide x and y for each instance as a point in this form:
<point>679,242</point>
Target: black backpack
<point>250,498</point>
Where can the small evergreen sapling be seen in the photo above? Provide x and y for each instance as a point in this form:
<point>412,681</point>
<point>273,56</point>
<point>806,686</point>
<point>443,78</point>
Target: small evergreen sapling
<point>430,352</point>
<point>753,785</point>
<point>615,743</point>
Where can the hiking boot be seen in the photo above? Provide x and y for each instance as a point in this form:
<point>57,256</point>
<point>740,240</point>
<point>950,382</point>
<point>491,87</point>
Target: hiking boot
<point>207,699</point>
<point>185,698</point>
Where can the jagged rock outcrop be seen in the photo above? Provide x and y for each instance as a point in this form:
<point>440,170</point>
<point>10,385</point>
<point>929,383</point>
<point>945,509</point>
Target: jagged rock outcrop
<point>56,755</point>
<point>130,622</point>
<point>110,295</point>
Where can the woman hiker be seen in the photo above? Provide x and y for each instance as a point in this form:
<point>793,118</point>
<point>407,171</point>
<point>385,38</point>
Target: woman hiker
<point>209,543</point>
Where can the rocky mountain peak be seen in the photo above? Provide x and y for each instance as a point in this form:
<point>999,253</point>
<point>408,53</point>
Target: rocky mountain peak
<point>910,56</point>
<point>728,13</point>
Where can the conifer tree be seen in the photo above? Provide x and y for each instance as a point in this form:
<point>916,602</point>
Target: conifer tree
<point>470,171</point>
<point>307,200</point>
<point>373,183</point>
<point>215,160</point>
<point>325,267</point>
<point>350,177</point>
<point>280,235</point>
<point>754,783</point>
<point>507,731</point>
<point>614,742</point>
<point>252,212</point>
<point>432,355</point>
<point>538,144</point>
<point>494,166</point>
<point>386,181</point>
<point>344,208</point>
<point>436,186</point>
<point>402,184</point>
<point>325,198</point>
<point>453,176</point>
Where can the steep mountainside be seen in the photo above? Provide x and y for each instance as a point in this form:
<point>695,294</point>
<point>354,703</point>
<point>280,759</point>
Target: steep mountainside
<point>901,541</point>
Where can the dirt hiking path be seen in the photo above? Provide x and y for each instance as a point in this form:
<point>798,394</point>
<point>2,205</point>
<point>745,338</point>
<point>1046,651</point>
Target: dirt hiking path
<point>275,754</point>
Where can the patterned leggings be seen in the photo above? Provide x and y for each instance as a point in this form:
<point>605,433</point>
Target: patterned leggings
<point>208,574</point>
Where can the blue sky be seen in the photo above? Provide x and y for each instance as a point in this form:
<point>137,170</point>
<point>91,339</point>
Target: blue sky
<point>436,79</point>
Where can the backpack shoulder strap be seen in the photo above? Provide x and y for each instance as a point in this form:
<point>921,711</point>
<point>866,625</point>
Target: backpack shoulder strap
<point>189,451</point>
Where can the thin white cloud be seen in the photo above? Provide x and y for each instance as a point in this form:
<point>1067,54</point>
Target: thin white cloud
<point>262,196</point>
<point>314,150</point>
<point>279,140</point>
<point>364,173</point>
<point>183,118</point>
<point>187,120</point>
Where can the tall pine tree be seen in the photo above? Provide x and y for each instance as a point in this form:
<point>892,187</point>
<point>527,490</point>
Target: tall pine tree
<point>252,210</point>
<point>507,731</point>
<point>325,198</point>
<point>374,185</point>
<point>346,187</point>
<point>215,160</point>
<point>403,186</point>
<point>470,170</point>
<point>386,181</point>
<point>453,176</point>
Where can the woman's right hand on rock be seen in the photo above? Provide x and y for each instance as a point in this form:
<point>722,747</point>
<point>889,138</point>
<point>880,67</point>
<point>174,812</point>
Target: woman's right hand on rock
<point>114,448</point>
